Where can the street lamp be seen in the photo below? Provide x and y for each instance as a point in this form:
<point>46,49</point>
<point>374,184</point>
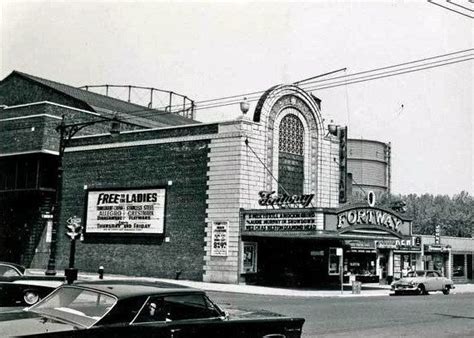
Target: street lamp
<point>66,133</point>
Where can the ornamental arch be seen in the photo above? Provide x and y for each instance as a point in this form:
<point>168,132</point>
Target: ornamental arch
<point>292,121</point>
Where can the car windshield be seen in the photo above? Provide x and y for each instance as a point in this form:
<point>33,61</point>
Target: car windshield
<point>76,305</point>
<point>8,271</point>
<point>416,274</point>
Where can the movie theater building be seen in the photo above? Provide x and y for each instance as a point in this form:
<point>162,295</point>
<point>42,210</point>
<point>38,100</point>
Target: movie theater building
<point>259,199</point>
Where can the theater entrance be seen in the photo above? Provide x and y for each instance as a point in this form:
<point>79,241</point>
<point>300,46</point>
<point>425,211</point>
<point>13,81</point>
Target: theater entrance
<point>291,262</point>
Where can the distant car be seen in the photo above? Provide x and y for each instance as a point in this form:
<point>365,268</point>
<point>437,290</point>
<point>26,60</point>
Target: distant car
<point>133,309</point>
<point>421,282</point>
<point>17,288</point>
<point>9,270</point>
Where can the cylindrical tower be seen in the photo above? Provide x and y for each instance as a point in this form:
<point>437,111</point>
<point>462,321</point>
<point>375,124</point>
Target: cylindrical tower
<point>369,162</point>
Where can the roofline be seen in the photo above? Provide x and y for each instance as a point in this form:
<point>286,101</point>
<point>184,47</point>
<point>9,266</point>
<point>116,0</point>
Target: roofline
<point>28,78</point>
<point>150,129</point>
<point>42,151</point>
<point>367,140</point>
<point>54,104</point>
<point>30,116</point>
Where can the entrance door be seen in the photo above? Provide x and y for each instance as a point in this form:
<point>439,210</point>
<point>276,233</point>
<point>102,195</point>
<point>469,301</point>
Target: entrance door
<point>383,266</point>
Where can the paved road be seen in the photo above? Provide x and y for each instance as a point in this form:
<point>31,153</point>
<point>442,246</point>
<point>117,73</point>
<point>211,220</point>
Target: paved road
<point>434,315</point>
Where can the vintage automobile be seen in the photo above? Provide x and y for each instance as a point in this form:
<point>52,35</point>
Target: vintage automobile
<point>140,309</point>
<point>17,288</point>
<point>421,282</point>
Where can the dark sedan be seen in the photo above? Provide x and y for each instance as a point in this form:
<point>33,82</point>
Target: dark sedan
<point>134,309</point>
<point>17,288</point>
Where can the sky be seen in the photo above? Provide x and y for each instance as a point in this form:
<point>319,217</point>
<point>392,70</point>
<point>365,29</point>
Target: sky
<point>208,50</point>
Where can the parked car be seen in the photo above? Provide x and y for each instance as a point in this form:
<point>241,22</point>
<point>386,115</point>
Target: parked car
<point>423,281</point>
<point>139,309</point>
<point>18,288</point>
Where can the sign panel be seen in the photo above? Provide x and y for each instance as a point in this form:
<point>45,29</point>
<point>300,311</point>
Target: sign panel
<point>280,221</point>
<point>407,244</point>
<point>437,234</point>
<point>137,211</point>
<point>370,217</point>
<point>219,238</point>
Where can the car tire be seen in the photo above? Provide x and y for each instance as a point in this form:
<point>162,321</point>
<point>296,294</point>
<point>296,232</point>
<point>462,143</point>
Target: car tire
<point>421,290</point>
<point>446,290</point>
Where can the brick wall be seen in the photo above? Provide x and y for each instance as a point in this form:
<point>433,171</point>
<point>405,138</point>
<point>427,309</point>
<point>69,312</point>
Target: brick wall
<point>185,164</point>
<point>33,127</point>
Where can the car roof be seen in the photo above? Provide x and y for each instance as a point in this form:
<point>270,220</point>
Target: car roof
<point>132,288</point>
<point>19,267</point>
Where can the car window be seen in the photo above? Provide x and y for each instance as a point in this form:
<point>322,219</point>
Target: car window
<point>8,271</point>
<point>430,274</point>
<point>179,307</point>
<point>415,274</point>
<point>436,274</point>
<point>80,306</point>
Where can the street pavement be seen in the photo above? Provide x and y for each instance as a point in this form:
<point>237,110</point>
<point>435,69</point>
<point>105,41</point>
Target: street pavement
<point>368,290</point>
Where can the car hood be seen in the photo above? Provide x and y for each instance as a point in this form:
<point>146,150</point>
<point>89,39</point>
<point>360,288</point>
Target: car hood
<point>408,280</point>
<point>28,323</point>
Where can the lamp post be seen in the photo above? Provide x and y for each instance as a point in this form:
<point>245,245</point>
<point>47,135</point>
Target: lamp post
<point>66,133</point>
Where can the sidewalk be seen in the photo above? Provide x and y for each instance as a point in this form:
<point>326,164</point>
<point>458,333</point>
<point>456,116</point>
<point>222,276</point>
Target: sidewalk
<point>368,290</point>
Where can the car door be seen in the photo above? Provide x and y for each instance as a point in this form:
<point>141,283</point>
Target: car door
<point>438,281</point>
<point>432,281</point>
<point>191,315</point>
<point>183,315</point>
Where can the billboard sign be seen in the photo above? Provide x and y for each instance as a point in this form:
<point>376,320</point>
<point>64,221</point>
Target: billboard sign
<point>131,211</point>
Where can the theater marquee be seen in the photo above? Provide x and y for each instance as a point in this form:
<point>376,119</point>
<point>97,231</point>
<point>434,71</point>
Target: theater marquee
<point>283,220</point>
<point>137,211</point>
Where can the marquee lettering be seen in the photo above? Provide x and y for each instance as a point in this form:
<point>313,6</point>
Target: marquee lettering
<point>269,198</point>
<point>369,217</point>
<point>126,198</point>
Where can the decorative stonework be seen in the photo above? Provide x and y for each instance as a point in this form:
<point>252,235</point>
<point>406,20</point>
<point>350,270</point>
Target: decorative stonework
<point>277,103</point>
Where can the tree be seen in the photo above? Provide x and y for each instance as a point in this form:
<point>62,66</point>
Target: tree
<point>454,214</point>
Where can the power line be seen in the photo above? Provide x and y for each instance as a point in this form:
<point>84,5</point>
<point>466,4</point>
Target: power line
<point>337,77</point>
<point>154,112</point>
<point>399,65</point>
<point>389,75</point>
<point>394,72</point>
<point>351,81</point>
<point>449,9</point>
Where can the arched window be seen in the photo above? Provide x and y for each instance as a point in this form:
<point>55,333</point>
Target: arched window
<point>290,157</point>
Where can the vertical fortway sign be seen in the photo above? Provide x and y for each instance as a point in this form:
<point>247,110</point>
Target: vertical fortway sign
<point>437,234</point>
<point>219,238</point>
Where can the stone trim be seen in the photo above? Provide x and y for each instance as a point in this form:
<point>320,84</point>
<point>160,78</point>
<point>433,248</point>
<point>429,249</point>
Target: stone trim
<point>30,116</point>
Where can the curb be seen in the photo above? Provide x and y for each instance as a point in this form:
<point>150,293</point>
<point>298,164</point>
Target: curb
<point>375,291</point>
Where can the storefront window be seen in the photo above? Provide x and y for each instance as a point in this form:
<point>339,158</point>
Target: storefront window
<point>361,263</point>
<point>458,266</point>
<point>333,262</point>
<point>403,263</point>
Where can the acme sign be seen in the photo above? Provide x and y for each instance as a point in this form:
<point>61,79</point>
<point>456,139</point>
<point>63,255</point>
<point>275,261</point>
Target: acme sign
<point>369,217</point>
<point>269,198</point>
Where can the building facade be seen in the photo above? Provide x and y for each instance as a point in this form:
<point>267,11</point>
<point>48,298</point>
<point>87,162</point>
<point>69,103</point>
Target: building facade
<point>259,199</point>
